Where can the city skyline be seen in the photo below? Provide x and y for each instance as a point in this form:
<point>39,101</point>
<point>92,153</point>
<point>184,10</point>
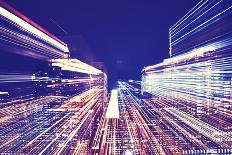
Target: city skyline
<point>99,88</point>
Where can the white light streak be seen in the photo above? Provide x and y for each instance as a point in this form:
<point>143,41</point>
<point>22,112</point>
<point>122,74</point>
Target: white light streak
<point>31,29</point>
<point>112,111</point>
<point>75,65</point>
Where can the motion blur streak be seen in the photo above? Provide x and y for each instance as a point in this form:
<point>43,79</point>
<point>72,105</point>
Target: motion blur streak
<point>19,36</point>
<point>112,111</point>
<point>193,86</point>
<point>52,103</point>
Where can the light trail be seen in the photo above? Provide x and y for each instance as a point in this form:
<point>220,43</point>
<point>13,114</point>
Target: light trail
<point>27,27</point>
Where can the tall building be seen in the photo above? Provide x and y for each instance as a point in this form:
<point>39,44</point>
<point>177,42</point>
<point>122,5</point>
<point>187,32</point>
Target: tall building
<point>197,78</point>
<point>206,27</point>
<point>50,103</point>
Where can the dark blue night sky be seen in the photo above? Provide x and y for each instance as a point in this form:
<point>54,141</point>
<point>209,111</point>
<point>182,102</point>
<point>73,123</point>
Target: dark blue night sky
<point>125,35</point>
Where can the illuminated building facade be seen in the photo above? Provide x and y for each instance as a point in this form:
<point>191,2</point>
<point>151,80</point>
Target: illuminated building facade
<point>194,85</point>
<point>50,103</point>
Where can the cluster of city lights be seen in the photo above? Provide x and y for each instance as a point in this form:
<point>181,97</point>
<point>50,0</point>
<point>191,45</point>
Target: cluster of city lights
<point>194,84</point>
